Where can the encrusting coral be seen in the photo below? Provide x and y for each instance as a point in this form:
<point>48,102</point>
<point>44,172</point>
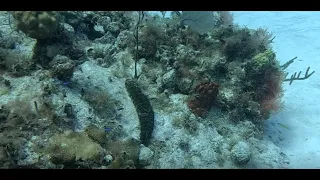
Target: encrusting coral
<point>205,93</point>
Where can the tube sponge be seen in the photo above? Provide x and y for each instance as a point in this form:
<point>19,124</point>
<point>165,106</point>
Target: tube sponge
<point>144,110</point>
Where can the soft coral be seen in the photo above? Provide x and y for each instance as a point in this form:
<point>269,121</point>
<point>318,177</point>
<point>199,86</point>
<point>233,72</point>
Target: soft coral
<point>269,99</point>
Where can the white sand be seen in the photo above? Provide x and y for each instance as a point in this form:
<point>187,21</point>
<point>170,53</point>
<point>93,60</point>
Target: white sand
<point>297,34</point>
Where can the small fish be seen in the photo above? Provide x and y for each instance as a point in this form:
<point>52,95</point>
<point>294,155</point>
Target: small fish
<point>107,129</point>
<point>66,83</point>
<point>284,126</point>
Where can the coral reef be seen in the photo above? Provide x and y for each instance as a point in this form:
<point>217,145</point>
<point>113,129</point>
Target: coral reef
<point>69,101</point>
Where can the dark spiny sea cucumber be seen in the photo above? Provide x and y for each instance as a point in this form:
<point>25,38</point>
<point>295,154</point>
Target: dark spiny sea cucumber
<point>143,108</point>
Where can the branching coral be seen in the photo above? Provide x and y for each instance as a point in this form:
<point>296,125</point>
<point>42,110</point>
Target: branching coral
<point>205,93</point>
<point>295,76</point>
